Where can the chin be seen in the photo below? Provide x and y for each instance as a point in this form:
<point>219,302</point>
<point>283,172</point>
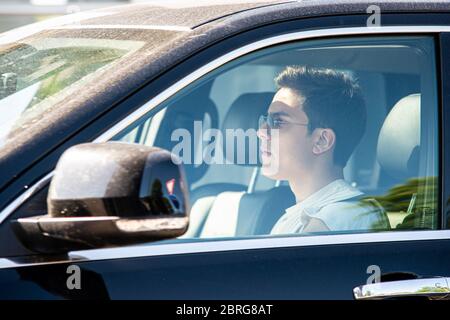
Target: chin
<point>270,171</point>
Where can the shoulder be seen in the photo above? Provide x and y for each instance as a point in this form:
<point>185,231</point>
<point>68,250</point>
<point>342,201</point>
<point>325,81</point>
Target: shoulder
<point>351,215</point>
<point>316,225</point>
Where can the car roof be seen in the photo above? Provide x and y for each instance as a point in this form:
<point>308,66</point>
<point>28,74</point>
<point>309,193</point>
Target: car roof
<point>188,14</point>
<point>195,25</point>
<point>185,15</point>
<point>178,15</point>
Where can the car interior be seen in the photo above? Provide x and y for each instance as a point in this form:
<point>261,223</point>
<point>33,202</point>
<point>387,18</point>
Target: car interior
<point>395,162</point>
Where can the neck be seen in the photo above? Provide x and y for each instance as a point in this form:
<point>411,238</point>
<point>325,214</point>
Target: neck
<point>306,184</point>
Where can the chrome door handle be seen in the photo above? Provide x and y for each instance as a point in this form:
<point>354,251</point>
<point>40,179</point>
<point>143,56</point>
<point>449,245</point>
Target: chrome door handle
<point>432,288</point>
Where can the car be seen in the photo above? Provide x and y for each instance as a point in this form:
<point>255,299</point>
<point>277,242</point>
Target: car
<point>111,186</point>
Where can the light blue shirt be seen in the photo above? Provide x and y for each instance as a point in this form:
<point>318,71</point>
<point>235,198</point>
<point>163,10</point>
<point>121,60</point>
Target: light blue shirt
<point>333,205</point>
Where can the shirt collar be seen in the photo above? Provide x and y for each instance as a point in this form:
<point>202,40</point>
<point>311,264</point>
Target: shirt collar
<point>337,190</point>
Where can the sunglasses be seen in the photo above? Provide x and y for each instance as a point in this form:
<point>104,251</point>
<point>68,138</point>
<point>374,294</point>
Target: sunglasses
<point>275,123</point>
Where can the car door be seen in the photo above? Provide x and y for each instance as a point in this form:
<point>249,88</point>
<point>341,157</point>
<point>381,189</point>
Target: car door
<point>398,72</point>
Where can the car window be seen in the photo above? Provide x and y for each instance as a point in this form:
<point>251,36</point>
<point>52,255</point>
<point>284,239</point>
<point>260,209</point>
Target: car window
<point>37,72</point>
<point>313,137</point>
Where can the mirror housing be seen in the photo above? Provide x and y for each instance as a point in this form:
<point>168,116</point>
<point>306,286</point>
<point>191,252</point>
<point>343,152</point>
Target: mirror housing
<point>109,194</point>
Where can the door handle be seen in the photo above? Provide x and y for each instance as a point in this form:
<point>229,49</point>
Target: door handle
<point>431,288</point>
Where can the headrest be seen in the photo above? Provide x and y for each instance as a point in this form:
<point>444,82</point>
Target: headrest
<point>399,139</point>
<point>181,114</point>
<point>244,114</point>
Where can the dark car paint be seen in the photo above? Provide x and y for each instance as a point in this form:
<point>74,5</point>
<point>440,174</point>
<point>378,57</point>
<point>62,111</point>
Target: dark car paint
<point>317,272</point>
<point>299,272</point>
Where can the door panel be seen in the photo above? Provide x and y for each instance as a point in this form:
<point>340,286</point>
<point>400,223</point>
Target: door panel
<point>315,272</point>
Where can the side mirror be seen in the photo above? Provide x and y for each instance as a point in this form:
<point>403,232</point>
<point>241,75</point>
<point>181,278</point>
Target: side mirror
<point>109,194</point>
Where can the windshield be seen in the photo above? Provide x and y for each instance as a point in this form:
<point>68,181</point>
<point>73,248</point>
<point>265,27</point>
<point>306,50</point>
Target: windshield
<point>36,73</point>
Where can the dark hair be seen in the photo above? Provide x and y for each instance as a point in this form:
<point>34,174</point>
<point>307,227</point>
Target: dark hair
<point>332,99</point>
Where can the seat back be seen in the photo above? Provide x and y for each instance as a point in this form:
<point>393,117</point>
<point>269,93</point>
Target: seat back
<point>398,155</point>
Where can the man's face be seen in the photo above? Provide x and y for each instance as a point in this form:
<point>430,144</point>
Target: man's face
<point>295,146</point>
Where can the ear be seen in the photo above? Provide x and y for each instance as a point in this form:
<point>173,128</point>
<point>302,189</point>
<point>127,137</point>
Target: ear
<point>324,140</point>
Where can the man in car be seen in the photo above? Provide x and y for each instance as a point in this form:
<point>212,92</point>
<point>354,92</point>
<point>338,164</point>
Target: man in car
<point>319,117</point>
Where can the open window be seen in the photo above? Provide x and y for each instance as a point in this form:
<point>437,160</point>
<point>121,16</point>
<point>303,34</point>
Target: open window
<point>395,163</point>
